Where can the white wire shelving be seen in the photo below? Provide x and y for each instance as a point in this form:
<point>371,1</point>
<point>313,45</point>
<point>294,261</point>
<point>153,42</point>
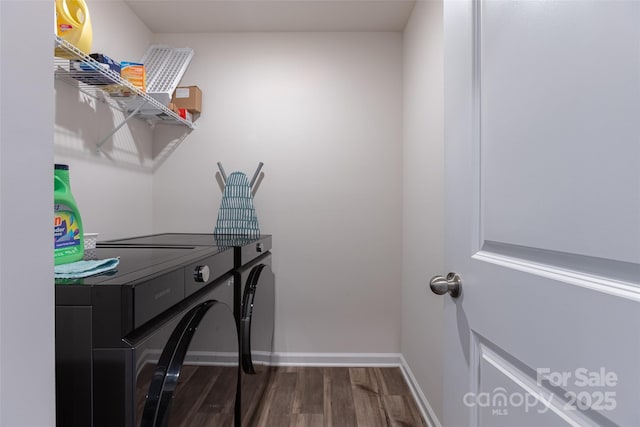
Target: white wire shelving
<point>74,67</point>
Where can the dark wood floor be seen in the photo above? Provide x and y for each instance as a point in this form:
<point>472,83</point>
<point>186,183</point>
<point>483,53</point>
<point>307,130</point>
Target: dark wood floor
<point>338,397</point>
<point>293,397</point>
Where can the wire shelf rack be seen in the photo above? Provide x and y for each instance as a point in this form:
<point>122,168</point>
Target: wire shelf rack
<point>92,78</point>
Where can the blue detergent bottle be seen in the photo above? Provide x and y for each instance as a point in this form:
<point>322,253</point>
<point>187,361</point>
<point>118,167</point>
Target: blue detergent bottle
<point>68,235</point>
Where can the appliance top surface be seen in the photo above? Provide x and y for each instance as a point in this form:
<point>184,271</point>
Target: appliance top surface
<point>146,257</point>
<point>141,262</point>
<point>187,239</point>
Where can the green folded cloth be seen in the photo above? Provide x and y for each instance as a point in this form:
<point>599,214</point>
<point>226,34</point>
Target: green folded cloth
<point>85,268</point>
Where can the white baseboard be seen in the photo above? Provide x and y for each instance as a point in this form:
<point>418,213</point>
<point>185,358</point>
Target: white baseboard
<point>336,359</point>
<point>423,404</point>
<point>300,359</point>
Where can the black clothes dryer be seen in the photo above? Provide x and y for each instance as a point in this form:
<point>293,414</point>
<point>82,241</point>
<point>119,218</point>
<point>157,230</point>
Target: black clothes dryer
<point>257,312</point>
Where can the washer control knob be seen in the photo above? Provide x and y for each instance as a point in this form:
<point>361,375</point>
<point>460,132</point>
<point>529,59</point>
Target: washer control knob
<point>201,273</point>
<point>259,247</point>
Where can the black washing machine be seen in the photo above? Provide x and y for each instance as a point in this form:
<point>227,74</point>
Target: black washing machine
<point>253,307</point>
<point>154,343</point>
<point>166,340</point>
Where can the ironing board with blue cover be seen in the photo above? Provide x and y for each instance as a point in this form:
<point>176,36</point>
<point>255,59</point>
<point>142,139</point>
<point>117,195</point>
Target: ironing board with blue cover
<point>237,215</point>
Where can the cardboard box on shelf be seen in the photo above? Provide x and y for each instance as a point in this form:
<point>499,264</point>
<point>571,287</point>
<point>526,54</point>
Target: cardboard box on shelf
<point>171,106</point>
<point>188,97</point>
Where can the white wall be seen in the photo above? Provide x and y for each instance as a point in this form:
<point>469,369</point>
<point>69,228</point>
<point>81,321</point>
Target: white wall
<point>323,111</point>
<point>423,189</point>
<point>26,178</point>
<point>113,189</point>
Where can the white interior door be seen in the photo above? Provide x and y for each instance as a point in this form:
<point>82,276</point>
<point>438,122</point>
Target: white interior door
<point>542,135</point>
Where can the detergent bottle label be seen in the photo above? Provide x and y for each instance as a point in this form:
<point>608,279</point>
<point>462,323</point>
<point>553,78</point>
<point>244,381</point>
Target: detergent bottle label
<point>66,231</point>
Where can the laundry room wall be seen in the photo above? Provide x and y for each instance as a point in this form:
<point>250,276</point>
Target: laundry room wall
<point>113,188</point>
<point>423,201</point>
<point>323,111</point>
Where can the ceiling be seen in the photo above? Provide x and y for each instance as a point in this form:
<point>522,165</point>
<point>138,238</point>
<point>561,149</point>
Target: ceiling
<point>195,16</point>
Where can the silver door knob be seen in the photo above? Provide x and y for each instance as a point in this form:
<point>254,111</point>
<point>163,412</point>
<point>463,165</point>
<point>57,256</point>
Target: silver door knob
<point>452,284</point>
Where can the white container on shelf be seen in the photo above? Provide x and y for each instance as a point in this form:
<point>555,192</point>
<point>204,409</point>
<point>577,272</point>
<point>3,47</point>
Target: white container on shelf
<point>165,67</point>
<point>90,242</point>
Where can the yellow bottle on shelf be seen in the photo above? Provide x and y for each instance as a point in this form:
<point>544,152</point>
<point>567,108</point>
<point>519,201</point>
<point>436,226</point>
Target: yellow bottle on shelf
<point>73,24</point>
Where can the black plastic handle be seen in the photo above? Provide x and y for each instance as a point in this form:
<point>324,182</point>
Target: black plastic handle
<point>247,312</point>
<point>167,372</point>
